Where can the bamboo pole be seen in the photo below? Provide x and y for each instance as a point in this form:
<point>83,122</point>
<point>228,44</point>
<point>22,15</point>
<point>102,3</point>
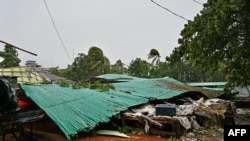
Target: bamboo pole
<point>18,48</point>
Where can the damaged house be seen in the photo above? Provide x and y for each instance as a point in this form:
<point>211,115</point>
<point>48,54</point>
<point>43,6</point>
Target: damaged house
<point>161,104</point>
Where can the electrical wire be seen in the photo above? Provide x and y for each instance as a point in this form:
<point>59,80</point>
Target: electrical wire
<point>57,32</point>
<point>198,2</point>
<point>170,11</point>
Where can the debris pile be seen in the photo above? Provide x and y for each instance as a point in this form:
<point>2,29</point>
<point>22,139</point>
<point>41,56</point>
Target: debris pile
<point>191,116</point>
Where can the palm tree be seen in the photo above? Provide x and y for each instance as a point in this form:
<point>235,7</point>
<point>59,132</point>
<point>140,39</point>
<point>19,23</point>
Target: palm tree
<point>155,55</point>
<point>99,63</point>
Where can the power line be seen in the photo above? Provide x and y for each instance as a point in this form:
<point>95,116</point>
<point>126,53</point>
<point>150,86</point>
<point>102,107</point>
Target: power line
<point>198,2</point>
<point>169,10</point>
<point>57,32</point>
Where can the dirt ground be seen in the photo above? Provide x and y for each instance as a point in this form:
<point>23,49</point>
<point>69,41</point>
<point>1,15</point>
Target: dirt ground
<point>207,135</point>
<point>211,134</point>
<point>133,137</point>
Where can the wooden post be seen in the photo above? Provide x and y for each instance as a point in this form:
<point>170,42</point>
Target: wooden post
<point>17,48</point>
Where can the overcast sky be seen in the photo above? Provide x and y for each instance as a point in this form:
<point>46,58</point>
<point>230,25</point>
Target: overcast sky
<point>123,29</point>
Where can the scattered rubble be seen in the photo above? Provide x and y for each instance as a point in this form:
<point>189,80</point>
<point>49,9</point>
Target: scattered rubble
<point>190,121</point>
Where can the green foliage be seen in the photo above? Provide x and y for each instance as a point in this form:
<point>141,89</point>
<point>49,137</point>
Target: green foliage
<point>90,65</point>
<point>10,57</point>
<point>118,68</point>
<point>82,84</point>
<point>96,85</point>
<point>101,87</point>
<point>125,129</point>
<point>218,40</point>
<point>162,70</point>
<point>79,85</point>
<point>67,73</point>
<point>139,68</point>
<point>64,84</point>
<point>55,71</point>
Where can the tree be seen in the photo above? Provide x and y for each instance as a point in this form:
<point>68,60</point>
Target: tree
<point>155,56</point>
<point>55,71</point>
<point>162,70</point>
<point>79,67</point>
<point>139,68</point>
<point>218,39</point>
<point>177,64</point>
<point>10,57</point>
<point>68,73</point>
<point>100,64</point>
<point>118,67</point>
<point>90,65</point>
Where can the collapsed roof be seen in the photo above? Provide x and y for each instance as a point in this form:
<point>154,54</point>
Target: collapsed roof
<point>75,110</point>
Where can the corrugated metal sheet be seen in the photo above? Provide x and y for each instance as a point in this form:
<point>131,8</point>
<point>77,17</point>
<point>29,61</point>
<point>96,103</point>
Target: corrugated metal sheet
<point>51,77</point>
<point>89,107</point>
<point>209,85</point>
<point>75,110</point>
<point>205,84</point>
<point>117,77</point>
<point>153,89</point>
<point>23,75</point>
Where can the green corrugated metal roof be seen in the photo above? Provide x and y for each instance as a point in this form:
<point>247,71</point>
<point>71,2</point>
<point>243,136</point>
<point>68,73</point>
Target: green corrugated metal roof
<point>89,107</point>
<point>75,110</point>
<point>151,88</point>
